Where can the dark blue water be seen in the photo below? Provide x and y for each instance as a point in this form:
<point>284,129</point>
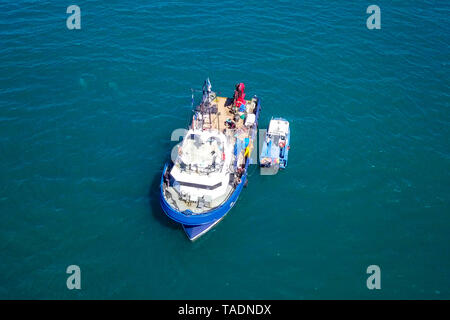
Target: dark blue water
<point>85,123</point>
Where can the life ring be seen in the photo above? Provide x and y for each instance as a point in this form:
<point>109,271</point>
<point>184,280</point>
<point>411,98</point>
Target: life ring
<point>282,144</point>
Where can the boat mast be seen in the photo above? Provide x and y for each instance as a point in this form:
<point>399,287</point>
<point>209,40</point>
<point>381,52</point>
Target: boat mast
<point>206,106</point>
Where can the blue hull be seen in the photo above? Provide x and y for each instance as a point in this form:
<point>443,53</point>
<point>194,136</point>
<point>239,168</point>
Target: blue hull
<point>196,225</point>
<point>194,232</point>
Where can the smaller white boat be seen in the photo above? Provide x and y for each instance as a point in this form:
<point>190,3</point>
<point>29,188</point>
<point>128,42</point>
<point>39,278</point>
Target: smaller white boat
<point>276,146</point>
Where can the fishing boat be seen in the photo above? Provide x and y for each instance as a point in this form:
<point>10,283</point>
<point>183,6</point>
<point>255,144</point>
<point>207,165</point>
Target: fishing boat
<point>203,181</point>
<point>275,148</point>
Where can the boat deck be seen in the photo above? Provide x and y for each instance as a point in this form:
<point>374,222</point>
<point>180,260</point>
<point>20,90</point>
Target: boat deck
<point>224,112</point>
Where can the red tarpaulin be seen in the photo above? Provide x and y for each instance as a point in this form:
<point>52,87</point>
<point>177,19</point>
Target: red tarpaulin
<point>239,94</point>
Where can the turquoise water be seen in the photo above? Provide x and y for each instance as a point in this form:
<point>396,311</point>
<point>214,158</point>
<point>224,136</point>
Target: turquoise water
<point>85,123</point>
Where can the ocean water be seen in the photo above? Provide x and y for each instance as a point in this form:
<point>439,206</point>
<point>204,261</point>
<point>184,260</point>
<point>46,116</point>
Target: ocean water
<point>85,123</point>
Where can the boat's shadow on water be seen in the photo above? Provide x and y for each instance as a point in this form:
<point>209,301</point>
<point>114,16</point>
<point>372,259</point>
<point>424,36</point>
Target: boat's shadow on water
<point>155,206</point>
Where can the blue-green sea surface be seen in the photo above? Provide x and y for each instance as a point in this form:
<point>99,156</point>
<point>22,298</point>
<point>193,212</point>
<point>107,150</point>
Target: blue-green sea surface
<point>85,123</point>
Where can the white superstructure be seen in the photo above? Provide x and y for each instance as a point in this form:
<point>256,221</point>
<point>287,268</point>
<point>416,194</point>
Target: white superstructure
<point>278,127</point>
<point>201,170</point>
